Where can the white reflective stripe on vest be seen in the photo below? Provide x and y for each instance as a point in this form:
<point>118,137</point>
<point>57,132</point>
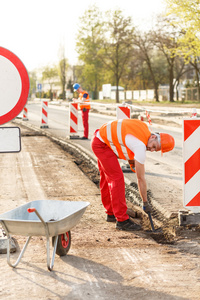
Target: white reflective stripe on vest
<point>119,136</point>
<point>109,137</point>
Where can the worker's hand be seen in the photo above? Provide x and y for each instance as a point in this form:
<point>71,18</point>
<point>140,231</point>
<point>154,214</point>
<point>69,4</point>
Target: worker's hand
<point>132,167</point>
<point>146,207</point>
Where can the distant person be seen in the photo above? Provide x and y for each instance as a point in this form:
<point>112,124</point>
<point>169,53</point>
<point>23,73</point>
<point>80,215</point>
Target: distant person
<point>126,139</point>
<point>85,107</point>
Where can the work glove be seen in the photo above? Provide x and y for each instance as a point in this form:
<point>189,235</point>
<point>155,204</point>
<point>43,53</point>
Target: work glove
<point>146,207</point>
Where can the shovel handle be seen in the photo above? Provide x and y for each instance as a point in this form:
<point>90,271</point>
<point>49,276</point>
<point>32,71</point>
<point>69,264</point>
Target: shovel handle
<point>151,221</point>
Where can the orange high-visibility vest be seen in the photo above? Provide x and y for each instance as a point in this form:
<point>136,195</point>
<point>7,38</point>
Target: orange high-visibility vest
<point>114,132</point>
<point>84,104</point>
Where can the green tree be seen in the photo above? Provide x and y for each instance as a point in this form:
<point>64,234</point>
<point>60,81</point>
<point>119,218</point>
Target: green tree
<point>146,52</point>
<point>62,69</point>
<point>49,74</point>
<point>63,65</point>
<point>88,45</point>
<point>33,80</point>
<point>185,16</point>
<point>166,37</point>
<point>117,44</point>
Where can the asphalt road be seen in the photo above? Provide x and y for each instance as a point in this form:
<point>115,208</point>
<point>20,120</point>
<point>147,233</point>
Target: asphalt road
<point>58,122</point>
<point>163,173</point>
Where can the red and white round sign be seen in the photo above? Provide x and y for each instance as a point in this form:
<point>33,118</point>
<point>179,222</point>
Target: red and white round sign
<point>14,86</point>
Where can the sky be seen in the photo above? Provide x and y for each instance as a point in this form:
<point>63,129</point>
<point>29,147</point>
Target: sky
<point>35,30</point>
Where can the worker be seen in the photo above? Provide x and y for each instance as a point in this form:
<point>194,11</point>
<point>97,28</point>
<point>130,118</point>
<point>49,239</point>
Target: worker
<point>126,139</point>
<point>85,107</point>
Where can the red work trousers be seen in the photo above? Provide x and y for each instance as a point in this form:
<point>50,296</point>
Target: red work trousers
<point>85,117</point>
<point>112,184</point>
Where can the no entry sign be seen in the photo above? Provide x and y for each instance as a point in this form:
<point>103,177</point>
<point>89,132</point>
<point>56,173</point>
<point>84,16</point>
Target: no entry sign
<point>14,86</point>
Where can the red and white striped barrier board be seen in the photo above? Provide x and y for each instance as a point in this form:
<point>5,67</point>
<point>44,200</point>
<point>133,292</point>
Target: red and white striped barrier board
<point>194,113</point>
<point>44,122</point>
<point>25,114</point>
<point>73,117</point>
<point>148,117</point>
<point>123,112</point>
<point>191,160</point>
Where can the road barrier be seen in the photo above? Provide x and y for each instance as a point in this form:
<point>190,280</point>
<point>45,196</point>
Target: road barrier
<point>194,113</point>
<point>148,117</point>
<point>25,114</point>
<point>44,122</point>
<point>123,112</point>
<point>73,119</point>
<point>191,160</point>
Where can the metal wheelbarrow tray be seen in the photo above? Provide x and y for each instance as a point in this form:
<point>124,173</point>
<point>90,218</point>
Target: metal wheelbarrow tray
<point>50,218</point>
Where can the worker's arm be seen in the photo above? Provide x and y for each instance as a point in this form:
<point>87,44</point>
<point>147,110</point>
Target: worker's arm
<point>84,97</point>
<point>140,172</point>
<point>132,162</point>
<point>132,165</point>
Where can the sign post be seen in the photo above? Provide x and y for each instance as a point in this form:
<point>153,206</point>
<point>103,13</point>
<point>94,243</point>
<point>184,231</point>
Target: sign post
<point>39,89</point>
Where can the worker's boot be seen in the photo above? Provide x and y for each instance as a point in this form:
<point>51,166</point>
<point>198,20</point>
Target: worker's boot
<point>128,225</point>
<point>111,218</point>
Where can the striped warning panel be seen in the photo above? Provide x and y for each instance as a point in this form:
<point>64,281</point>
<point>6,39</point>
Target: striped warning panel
<point>191,161</point>
<point>73,117</point>
<point>123,112</point>
<point>25,114</point>
<point>148,117</point>
<point>44,121</point>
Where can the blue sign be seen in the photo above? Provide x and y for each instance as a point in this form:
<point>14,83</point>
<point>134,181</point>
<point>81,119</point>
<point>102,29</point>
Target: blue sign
<point>39,87</point>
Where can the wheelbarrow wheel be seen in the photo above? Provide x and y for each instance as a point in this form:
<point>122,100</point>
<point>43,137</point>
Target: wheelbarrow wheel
<point>64,243</point>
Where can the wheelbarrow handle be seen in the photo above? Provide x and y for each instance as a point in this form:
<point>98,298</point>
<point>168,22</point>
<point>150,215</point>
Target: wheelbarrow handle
<point>30,210</point>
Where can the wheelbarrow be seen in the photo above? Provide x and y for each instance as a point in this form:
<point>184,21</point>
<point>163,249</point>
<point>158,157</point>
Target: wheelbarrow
<point>50,218</point>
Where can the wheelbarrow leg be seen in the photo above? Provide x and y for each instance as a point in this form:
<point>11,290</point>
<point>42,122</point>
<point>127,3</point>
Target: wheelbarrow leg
<point>20,255</point>
<point>50,265</point>
<point>8,247</point>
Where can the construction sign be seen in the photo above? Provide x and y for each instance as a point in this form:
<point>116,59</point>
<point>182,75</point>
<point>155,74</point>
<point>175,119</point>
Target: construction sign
<point>14,85</point>
<point>123,112</point>
<point>191,161</point>
<point>14,90</point>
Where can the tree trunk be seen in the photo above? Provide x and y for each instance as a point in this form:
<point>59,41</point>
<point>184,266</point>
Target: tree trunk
<point>95,88</point>
<point>198,85</point>
<point>156,92</point>
<point>153,78</point>
<point>171,86</point>
<point>117,90</point>
<point>177,94</point>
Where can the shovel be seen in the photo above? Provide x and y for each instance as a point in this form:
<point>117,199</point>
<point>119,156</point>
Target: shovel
<point>159,230</point>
